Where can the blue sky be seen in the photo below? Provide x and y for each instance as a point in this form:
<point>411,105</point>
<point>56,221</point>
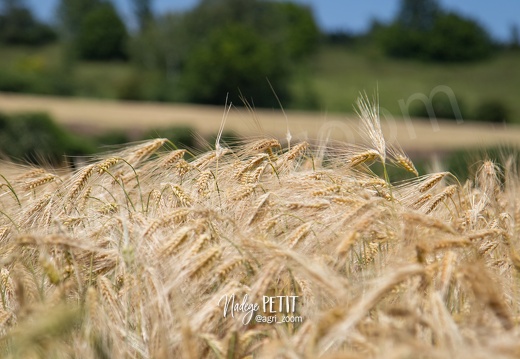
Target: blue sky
<point>496,16</point>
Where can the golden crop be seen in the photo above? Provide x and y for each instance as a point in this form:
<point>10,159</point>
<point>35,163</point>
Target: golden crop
<point>128,256</point>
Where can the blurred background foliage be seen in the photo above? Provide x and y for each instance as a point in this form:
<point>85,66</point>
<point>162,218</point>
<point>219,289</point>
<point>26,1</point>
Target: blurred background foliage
<point>239,49</point>
<point>225,46</point>
<point>231,48</point>
<point>19,27</point>
<point>422,30</point>
<point>35,138</point>
<point>102,35</point>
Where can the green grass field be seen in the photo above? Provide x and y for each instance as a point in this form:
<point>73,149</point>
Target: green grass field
<point>331,82</point>
<point>46,70</point>
<point>338,75</point>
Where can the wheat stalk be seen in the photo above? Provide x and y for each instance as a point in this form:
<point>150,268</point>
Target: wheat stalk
<point>370,124</point>
<point>433,270</point>
<point>81,181</point>
<point>39,181</point>
<point>432,180</point>
<point>446,193</point>
<point>363,157</point>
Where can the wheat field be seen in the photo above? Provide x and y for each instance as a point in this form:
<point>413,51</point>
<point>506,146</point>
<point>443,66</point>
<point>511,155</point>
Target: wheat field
<point>90,116</point>
<point>131,255</point>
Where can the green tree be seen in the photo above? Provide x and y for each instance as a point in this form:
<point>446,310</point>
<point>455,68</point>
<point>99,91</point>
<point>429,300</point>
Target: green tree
<point>418,15</point>
<point>102,34</point>
<point>301,31</point>
<point>397,41</point>
<point>71,14</point>
<point>454,38</point>
<point>515,38</point>
<point>423,31</point>
<point>181,45</point>
<point>19,27</point>
<point>163,45</point>
<point>234,59</point>
<point>143,13</point>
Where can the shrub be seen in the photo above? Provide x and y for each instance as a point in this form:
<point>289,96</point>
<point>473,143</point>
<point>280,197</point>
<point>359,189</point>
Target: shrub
<point>102,35</point>
<point>221,46</point>
<point>34,137</point>
<point>442,108</point>
<point>130,88</point>
<point>234,59</point>
<point>455,38</point>
<point>301,31</point>
<point>492,111</point>
<point>12,81</point>
<point>46,82</point>
<point>19,27</point>
<point>397,41</point>
<point>435,36</point>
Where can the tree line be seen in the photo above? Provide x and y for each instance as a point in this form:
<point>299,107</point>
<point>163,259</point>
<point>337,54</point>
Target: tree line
<point>240,47</point>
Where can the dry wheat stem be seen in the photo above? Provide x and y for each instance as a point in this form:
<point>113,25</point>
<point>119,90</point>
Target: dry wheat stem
<point>146,243</point>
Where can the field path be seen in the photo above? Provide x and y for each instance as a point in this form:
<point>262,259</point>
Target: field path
<point>418,135</point>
